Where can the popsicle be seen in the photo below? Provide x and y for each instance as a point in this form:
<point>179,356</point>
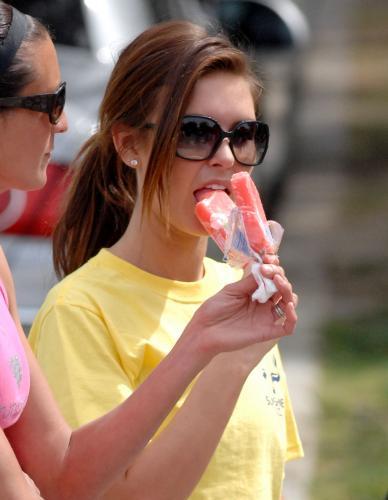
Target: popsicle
<point>248,200</point>
<point>213,211</point>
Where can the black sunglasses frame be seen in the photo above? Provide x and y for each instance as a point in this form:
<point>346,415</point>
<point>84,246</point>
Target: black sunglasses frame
<point>229,135</point>
<point>43,103</point>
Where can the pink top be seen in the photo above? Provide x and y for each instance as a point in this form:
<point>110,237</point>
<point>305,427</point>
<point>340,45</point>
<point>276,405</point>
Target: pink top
<point>14,371</point>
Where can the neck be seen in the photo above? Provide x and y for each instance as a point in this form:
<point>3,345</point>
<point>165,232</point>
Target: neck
<point>175,256</point>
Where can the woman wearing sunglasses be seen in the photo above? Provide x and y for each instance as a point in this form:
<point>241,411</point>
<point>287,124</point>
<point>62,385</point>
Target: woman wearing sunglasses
<point>179,117</point>
<point>107,458</point>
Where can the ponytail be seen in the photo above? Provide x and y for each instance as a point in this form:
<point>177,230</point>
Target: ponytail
<point>98,205</point>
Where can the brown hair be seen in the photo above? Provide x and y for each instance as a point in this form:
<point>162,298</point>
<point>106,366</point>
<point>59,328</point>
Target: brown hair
<point>157,70</point>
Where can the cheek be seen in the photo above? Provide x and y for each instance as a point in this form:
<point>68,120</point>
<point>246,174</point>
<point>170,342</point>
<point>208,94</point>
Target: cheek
<point>182,187</point>
<point>182,203</point>
<point>13,157</point>
<point>35,137</point>
<point>22,145</point>
<point>185,174</point>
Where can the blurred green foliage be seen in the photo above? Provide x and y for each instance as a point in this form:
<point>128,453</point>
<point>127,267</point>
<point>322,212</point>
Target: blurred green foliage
<point>353,445</point>
<point>357,339</point>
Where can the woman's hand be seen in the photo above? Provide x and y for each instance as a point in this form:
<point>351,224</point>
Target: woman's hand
<point>231,320</point>
<point>268,271</point>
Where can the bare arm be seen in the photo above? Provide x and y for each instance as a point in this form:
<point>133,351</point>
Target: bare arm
<point>86,463</point>
<point>13,483</point>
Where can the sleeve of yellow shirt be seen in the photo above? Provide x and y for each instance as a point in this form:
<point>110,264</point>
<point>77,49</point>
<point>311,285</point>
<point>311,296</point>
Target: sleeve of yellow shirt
<point>294,444</point>
<point>81,362</point>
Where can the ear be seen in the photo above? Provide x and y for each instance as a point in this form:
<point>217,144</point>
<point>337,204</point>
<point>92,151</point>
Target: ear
<point>125,141</point>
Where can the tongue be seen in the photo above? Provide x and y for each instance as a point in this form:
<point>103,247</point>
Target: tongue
<point>201,194</point>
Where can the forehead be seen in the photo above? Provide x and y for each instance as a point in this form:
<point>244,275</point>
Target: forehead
<point>41,57</point>
<point>222,93</point>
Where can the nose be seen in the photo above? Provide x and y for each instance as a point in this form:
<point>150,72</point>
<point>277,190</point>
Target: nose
<point>223,156</point>
<point>62,124</point>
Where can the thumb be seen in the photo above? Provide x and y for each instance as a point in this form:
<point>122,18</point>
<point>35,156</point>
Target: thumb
<point>245,286</point>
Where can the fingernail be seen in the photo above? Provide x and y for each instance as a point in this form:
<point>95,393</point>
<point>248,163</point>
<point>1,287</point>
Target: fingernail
<point>267,268</point>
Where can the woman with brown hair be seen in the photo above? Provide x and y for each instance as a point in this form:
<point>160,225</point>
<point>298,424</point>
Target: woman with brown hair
<point>133,254</point>
<point>35,441</point>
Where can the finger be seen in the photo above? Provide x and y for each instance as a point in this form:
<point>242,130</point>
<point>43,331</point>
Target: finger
<point>290,319</point>
<point>278,313</point>
<point>277,296</point>
<point>246,286</point>
<point>277,232</point>
<point>270,258</point>
<point>270,270</point>
<point>284,287</point>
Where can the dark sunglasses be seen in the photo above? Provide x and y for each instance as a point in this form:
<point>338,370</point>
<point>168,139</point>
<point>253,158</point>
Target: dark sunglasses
<point>200,137</point>
<point>52,104</point>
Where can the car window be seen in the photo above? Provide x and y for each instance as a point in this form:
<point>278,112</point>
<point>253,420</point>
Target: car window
<point>63,17</point>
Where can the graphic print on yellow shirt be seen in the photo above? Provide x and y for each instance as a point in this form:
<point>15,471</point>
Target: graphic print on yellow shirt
<point>274,397</point>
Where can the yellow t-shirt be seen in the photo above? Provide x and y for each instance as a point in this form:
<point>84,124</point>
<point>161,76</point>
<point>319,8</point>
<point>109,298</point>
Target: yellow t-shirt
<point>105,327</point>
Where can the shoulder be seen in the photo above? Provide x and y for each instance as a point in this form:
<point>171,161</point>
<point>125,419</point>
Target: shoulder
<point>84,283</point>
<point>71,305</point>
<point>75,292</point>
<point>95,288</point>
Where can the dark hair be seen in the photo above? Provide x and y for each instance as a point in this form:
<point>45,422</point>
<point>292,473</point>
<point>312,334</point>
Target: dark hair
<point>20,72</point>
<point>158,70</point>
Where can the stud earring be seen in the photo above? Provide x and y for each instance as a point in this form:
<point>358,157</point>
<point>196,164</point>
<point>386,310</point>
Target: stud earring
<point>134,163</point>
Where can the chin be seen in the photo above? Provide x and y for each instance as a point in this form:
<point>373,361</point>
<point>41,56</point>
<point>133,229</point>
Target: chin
<point>199,229</point>
<point>37,183</point>
<point>40,179</point>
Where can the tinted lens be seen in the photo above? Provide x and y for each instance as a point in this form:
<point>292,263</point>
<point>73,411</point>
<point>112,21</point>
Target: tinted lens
<point>197,138</point>
<point>249,142</point>
<point>58,104</point>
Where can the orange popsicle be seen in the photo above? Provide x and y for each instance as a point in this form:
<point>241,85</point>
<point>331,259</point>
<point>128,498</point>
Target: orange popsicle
<point>213,212</point>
